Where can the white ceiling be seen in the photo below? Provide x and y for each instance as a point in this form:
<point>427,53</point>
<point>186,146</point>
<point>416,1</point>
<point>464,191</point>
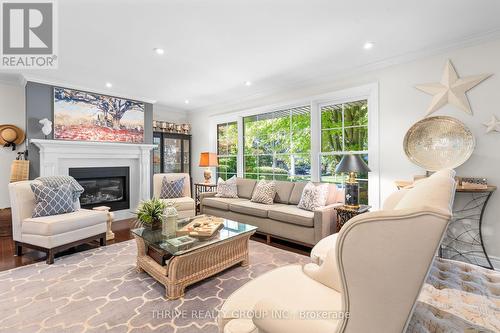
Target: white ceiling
<point>213,47</point>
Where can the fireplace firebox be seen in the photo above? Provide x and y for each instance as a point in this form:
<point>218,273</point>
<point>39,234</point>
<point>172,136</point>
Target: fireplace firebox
<point>103,186</point>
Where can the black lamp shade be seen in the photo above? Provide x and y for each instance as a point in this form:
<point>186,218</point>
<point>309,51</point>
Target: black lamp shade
<point>352,163</point>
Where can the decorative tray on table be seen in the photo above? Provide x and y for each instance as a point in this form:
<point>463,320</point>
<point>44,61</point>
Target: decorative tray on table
<point>202,227</point>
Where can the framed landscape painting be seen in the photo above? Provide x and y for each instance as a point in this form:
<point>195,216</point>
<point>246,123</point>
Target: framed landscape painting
<point>84,116</point>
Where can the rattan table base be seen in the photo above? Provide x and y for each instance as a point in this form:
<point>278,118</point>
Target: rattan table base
<point>186,269</point>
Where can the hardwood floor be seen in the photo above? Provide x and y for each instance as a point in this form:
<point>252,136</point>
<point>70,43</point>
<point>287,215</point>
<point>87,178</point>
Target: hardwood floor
<point>8,260</point>
<point>122,233</point>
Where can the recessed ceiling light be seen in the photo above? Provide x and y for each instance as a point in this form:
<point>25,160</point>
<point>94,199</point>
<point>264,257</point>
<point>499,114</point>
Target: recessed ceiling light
<point>108,85</point>
<point>368,45</point>
<point>248,83</point>
<point>159,51</point>
<point>186,101</point>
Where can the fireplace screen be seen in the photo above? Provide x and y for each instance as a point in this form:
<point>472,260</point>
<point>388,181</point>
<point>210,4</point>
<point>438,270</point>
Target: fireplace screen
<point>102,190</point>
<point>103,186</point>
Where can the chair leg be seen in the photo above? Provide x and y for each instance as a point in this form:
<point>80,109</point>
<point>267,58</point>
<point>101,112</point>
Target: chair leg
<point>50,256</point>
<point>19,249</point>
<point>102,241</point>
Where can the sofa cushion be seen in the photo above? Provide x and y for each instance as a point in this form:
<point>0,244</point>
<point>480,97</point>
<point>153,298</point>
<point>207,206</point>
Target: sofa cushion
<point>296,193</point>
<point>227,188</point>
<point>249,208</point>
<point>264,192</point>
<point>171,188</point>
<point>283,191</point>
<point>291,214</point>
<point>52,200</point>
<point>314,196</point>
<point>182,203</point>
<point>282,285</point>
<point>58,224</point>
<point>245,187</point>
<point>220,203</point>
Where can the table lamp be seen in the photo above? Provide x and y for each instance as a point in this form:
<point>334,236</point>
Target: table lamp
<point>352,164</point>
<point>208,160</point>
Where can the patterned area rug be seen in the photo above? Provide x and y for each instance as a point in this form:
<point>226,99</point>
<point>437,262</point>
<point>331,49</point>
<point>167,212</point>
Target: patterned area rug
<point>100,291</point>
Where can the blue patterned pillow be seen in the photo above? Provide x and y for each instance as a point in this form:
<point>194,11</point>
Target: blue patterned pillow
<point>52,200</point>
<point>171,189</point>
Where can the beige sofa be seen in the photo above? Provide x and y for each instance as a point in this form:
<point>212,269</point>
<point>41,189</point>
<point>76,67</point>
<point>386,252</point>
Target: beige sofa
<point>372,270</point>
<point>283,219</point>
<point>51,234</point>
<point>185,204</point>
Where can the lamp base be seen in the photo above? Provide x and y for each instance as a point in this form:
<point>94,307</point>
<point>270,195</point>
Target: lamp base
<point>208,175</point>
<point>352,195</point>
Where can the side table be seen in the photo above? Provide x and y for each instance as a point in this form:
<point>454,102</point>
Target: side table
<point>345,213</point>
<point>202,188</point>
<point>464,240</point>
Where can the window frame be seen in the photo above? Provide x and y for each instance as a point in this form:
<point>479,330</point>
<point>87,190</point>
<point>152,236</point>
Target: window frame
<point>368,91</point>
<point>343,152</point>
<point>276,156</point>
<point>226,155</point>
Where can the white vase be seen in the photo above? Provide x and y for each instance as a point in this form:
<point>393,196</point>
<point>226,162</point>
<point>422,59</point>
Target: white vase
<point>169,226</point>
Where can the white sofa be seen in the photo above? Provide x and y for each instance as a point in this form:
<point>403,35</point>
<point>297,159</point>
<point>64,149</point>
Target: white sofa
<point>372,270</point>
<point>185,205</point>
<point>51,234</point>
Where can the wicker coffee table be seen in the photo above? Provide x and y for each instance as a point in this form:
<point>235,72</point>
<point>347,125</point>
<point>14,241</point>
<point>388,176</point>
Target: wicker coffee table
<point>178,266</point>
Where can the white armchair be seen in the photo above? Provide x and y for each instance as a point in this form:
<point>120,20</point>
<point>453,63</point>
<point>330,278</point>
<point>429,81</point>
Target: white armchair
<point>51,234</point>
<point>185,205</point>
<point>369,277</point>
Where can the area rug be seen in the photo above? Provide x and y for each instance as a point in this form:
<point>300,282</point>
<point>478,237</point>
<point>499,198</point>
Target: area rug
<point>100,291</point>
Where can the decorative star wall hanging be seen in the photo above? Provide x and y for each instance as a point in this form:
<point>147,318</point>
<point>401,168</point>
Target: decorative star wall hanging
<point>451,89</point>
<point>493,125</point>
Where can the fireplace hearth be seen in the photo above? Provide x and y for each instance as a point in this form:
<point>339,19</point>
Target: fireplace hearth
<point>103,186</point>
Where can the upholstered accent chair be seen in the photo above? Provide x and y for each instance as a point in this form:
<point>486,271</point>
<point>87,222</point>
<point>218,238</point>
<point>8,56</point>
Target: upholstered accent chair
<point>185,204</point>
<point>366,278</point>
<point>51,234</point>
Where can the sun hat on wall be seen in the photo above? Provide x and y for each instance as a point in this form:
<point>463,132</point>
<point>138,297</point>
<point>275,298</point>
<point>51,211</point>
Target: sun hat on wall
<point>11,135</point>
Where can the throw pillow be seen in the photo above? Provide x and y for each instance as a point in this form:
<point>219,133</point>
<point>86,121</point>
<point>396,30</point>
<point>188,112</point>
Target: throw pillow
<point>313,196</point>
<point>171,189</point>
<point>227,189</point>
<point>264,192</point>
<point>52,200</point>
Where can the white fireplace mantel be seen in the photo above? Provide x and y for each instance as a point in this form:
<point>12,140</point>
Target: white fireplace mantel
<point>56,157</point>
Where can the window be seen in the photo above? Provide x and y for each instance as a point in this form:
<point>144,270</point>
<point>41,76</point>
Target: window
<point>344,130</point>
<point>277,145</point>
<point>227,149</point>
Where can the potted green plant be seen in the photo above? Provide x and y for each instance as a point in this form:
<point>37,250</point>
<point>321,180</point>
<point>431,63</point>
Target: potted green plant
<point>150,213</point>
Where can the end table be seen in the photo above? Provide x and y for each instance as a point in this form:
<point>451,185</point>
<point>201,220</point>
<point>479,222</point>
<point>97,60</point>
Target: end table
<point>201,188</point>
<point>345,213</point>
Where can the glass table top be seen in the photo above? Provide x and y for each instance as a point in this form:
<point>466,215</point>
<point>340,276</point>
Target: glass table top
<point>176,245</point>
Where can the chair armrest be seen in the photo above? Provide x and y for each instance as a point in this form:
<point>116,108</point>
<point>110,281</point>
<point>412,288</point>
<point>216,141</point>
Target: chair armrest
<point>203,196</point>
<point>266,322</point>
<point>206,195</point>
<point>325,220</point>
<point>326,273</point>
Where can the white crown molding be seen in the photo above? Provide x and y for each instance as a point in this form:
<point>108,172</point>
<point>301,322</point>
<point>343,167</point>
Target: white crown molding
<point>245,102</point>
<point>64,84</point>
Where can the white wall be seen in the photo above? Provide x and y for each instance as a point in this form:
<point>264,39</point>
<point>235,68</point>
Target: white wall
<point>161,112</point>
<point>12,111</point>
<point>400,106</point>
